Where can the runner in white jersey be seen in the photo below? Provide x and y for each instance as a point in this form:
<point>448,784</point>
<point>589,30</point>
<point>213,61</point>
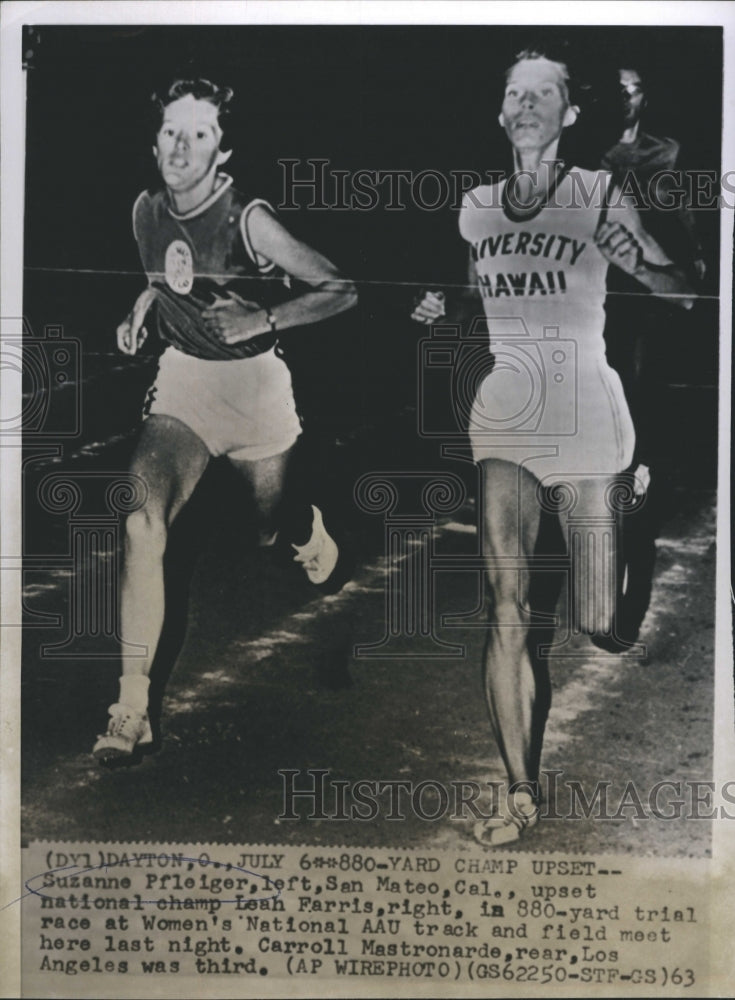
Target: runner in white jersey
<point>542,282</point>
<point>550,411</point>
<point>209,254</point>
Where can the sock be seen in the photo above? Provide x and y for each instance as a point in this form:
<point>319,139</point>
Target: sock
<point>134,691</point>
<point>522,802</point>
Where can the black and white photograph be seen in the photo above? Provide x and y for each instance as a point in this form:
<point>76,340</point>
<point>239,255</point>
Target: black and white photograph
<point>366,511</point>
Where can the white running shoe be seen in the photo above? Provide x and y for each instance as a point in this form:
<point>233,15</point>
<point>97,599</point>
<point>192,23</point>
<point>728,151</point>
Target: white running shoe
<point>320,554</point>
<point>126,730</point>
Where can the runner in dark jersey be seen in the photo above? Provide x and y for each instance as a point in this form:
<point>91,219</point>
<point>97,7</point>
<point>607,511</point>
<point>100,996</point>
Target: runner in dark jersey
<point>218,266</point>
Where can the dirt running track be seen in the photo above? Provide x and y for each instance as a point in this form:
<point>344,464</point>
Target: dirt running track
<point>267,679</point>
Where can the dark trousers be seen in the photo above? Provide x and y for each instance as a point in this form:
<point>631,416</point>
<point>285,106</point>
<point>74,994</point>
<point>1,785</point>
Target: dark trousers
<point>635,340</point>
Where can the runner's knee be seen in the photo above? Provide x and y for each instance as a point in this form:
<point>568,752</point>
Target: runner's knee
<point>506,597</point>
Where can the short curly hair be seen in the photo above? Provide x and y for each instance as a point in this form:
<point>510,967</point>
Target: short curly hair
<point>199,88</point>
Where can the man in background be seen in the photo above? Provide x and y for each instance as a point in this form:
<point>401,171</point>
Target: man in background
<point>636,334</point>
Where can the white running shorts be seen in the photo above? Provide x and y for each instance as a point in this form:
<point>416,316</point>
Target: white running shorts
<point>242,408</point>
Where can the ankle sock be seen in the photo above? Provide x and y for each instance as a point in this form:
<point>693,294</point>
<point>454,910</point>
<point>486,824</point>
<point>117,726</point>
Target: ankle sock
<point>134,691</point>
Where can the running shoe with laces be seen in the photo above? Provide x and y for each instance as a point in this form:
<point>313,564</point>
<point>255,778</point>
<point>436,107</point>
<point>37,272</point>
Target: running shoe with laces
<point>320,554</point>
<point>126,730</point>
<point>520,813</point>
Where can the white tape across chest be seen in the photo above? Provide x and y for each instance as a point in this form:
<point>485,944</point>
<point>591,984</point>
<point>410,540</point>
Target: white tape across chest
<point>179,267</point>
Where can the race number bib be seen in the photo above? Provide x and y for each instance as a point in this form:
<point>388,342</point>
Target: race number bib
<point>179,267</point>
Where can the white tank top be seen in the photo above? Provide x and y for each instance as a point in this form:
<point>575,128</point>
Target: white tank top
<point>545,271</point>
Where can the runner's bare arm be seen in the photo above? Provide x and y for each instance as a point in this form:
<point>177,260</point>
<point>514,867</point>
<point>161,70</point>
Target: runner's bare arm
<point>236,320</point>
<point>131,333</point>
<point>623,241</point>
<point>432,306</point>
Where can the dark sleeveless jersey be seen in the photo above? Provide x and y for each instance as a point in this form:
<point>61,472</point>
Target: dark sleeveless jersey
<point>193,258</point>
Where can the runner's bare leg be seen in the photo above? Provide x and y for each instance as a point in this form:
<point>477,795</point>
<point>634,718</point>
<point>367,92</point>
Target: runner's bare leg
<point>511,516</point>
<point>170,458</point>
<point>267,479</point>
